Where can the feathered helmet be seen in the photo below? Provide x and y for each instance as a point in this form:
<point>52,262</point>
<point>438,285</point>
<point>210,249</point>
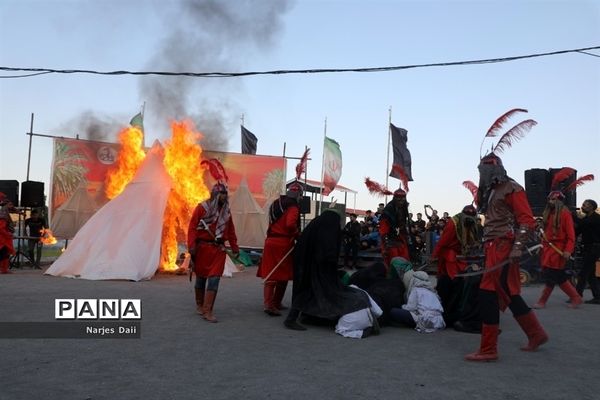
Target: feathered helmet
<point>507,139</point>
<point>556,193</point>
<point>295,189</point>
<point>216,170</point>
<point>379,190</point>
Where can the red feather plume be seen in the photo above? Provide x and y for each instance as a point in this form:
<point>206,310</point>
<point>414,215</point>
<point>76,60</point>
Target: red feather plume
<point>497,125</point>
<point>377,188</point>
<point>216,169</point>
<point>301,167</point>
<point>398,170</point>
<point>560,176</point>
<point>472,187</point>
<point>579,182</point>
<point>515,133</point>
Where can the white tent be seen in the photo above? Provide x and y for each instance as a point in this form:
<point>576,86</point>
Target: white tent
<point>249,219</point>
<point>75,212</point>
<point>122,240</point>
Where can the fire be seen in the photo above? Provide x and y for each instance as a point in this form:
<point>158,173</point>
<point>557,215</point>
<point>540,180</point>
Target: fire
<point>182,162</point>
<point>130,157</point>
<point>47,237</point>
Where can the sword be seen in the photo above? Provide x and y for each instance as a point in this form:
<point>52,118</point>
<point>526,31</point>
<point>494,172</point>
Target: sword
<point>552,245</point>
<point>278,264</point>
<point>222,246</point>
<point>500,264</point>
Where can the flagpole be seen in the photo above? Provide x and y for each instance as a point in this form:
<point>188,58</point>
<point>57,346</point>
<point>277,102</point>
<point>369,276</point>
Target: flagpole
<point>143,133</point>
<point>241,135</point>
<point>387,163</point>
<point>322,169</point>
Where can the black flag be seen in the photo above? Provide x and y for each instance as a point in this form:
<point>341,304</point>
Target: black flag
<point>248,142</point>
<point>401,153</point>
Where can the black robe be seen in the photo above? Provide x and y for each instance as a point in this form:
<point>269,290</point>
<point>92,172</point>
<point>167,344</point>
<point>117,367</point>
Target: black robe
<point>318,290</point>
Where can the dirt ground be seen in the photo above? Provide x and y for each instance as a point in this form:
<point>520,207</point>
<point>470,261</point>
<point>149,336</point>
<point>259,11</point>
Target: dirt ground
<point>250,355</point>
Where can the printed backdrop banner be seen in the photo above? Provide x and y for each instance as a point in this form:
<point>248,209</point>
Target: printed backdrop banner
<point>79,169</point>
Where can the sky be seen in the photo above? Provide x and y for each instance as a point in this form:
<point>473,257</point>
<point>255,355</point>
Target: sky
<point>446,110</point>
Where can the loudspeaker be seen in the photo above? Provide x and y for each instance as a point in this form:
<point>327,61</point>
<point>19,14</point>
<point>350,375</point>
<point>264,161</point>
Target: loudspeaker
<point>571,196</point>
<point>11,190</point>
<point>304,205</point>
<point>537,187</point>
<point>32,194</point>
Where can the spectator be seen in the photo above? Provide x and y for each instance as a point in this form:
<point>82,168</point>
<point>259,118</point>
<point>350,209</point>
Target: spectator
<point>589,228</point>
<point>35,225</point>
<point>351,235</point>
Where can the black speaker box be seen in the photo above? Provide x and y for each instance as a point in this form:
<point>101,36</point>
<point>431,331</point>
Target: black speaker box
<point>11,190</point>
<point>32,194</point>
<point>305,205</point>
<point>537,187</point>
<point>570,196</point>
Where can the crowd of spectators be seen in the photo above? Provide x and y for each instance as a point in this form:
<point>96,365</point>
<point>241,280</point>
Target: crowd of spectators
<point>425,229</point>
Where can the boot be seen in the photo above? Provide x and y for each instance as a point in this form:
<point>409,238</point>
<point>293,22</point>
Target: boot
<point>199,300</point>
<point>541,303</point>
<point>533,329</point>
<point>268,299</point>
<point>4,264</point>
<point>207,306</point>
<point>570,291</point>
<point>280,288</point>
<point>488,349</point>
<point>291,321</point>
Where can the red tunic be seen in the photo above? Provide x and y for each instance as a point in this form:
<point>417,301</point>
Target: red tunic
<point>6,237</point>
<point>508,210</point>
<point>446,250</point>
<point>210,257</point>
<point>280,240</point>
<point>397,248</point>
<point>563,239</point>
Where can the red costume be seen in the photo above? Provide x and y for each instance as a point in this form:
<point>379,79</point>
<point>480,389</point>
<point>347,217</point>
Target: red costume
<point>209,259</point>
<point>562,237</point>
<point>393,229</point>
<point>6,234</point>
<point>210,227</point>
<point>446,250</point>
<point>508,222</point>
<point>558,243</point>
<point>284,228</point>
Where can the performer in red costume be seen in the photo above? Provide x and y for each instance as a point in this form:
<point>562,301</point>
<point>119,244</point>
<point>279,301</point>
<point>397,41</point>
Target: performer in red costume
<point>284,229</point>
<point>558,241</point>
<point>393,229</point>
<point>6,234</point>
<point>458,295</point>
<point>394,220</point>
<point>508,223</point>
<point>210,227</point>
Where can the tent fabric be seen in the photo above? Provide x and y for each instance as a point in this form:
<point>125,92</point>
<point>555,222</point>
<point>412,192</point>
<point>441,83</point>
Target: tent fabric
<point>75,212</point>
<point>248,217</point>
<point>123,239</point>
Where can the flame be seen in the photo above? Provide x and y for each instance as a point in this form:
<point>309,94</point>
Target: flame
<point>130,157</point>
<point>182,162</point>
<point>47,237</point>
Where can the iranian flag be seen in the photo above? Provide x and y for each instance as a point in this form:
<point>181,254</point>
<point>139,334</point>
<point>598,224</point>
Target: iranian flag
<point>332,165</point>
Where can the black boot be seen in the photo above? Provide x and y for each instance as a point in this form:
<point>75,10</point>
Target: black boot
<point>291,321</point>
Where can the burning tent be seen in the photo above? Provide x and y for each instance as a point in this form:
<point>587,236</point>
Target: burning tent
<point>123,239</point>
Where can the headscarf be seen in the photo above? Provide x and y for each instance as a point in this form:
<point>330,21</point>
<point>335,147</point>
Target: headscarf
<point>419,279</point>
<point>214,213</point>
